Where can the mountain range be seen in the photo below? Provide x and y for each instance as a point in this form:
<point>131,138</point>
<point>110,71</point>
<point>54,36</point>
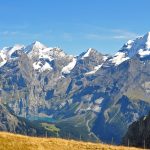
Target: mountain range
<point>93,95</point>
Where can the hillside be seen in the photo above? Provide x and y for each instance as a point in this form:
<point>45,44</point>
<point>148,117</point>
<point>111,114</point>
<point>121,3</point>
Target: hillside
<point>9,141</point>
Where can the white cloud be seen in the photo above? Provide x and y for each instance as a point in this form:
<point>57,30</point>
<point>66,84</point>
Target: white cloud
<point>123,34</point>
<point>25,35</point>
<point>94,36</point>
<point>111,34</point>
<point>7,33</point>
<point>96,33</point>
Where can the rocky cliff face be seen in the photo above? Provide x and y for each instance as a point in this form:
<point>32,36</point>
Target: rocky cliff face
<point>138,133</point>
<point>99,93</point>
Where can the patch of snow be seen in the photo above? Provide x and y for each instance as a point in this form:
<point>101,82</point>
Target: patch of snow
<point>3,58</point>
<point>96,68</point>
<point>61,77</point>
<point>40,67</point>
<point>99,101</point>
<point>119,58</point>
<point>44,55</point>
<point>87,53</point>
<point>46,66</point>
<point>37,65</point>
<point>129,44</point>
<point>96,108</point>
<point>105,58</point>
<point>147,36</point>
<point>143,53</point>
<point>67,69</point>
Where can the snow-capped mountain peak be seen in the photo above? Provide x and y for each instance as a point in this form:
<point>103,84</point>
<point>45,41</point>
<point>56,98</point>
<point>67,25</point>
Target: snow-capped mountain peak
<point>43,56</point>
<point>140,46</point>
<point>39,49</point>
<point>87,53</point>
<point>35,46</point>
<point>147,40</point>
<point>38,45</point>
<point>133,46</point>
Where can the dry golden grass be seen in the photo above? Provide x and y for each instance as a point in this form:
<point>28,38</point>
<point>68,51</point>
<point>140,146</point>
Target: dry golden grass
<point>10,141</point>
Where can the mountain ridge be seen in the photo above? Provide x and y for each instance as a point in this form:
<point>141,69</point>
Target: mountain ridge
<point>95,93</point>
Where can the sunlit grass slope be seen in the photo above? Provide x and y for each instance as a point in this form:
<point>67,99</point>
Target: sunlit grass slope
<point>10,141</point>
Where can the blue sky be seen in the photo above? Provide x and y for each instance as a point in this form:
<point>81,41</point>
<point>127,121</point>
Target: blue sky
<point>73,25</point>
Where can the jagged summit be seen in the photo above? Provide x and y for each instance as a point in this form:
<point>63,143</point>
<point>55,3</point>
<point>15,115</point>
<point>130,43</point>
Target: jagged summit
<point>89,52</point>
<point>38,44</point>
<point>140,46</point>
<point>37,48</point>
<point>133,46</point>
<point>34,46</point>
